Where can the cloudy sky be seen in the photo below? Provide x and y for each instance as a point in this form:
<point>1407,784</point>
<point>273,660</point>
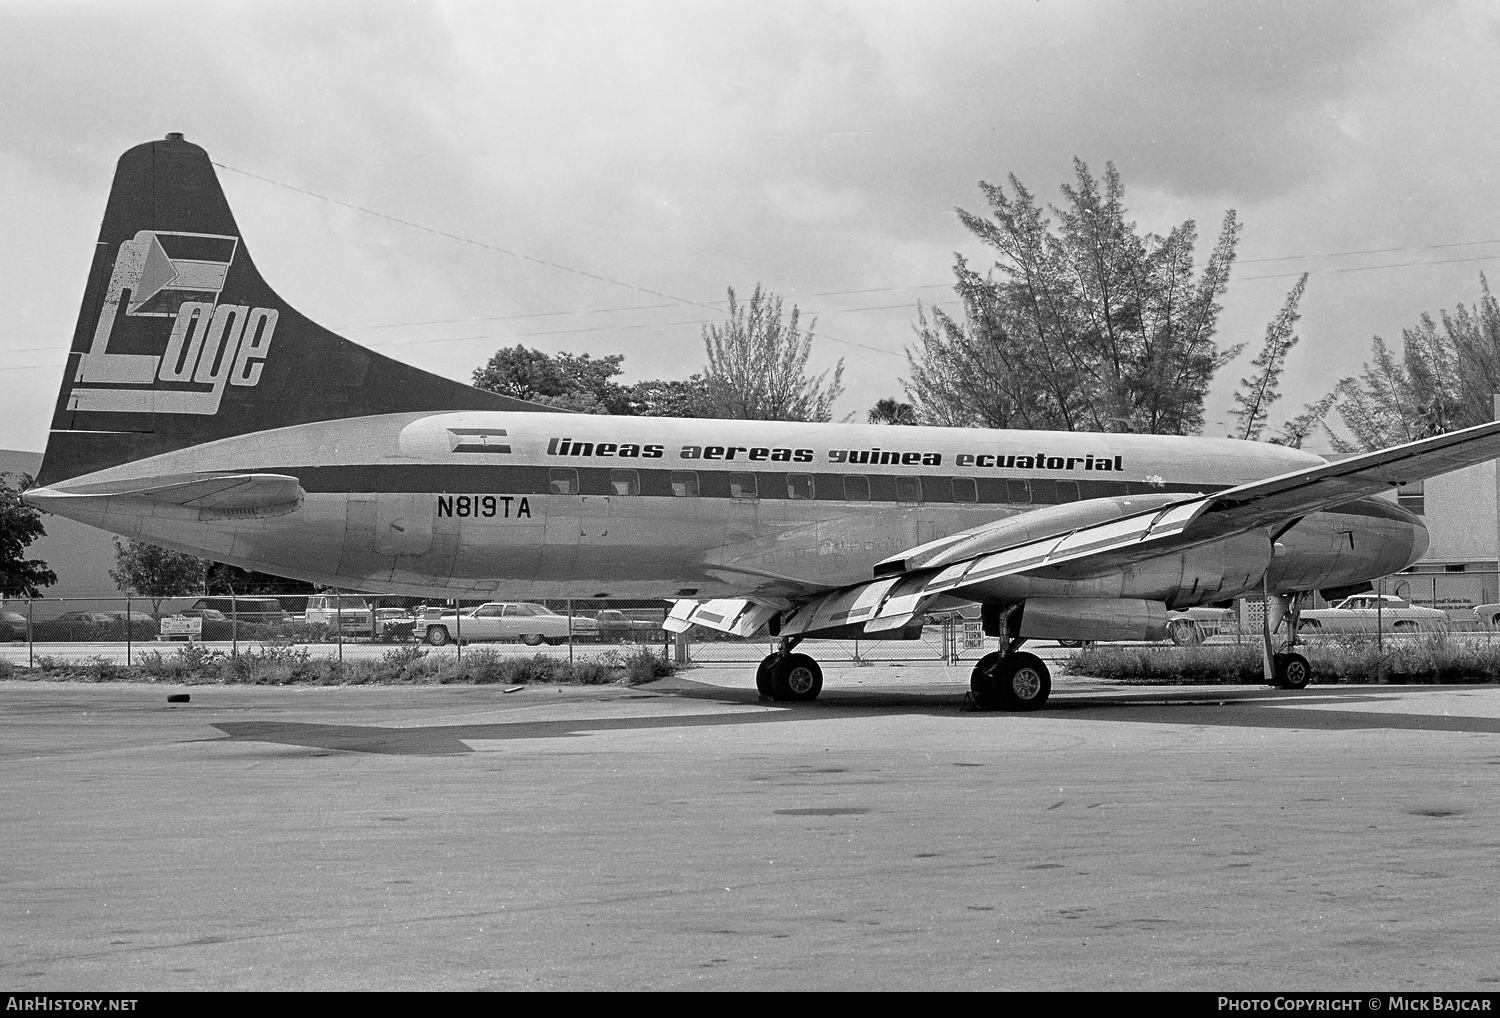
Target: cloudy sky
<point>617,165</point>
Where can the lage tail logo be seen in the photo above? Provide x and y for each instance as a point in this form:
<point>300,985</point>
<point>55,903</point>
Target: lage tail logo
<point>136,364</point>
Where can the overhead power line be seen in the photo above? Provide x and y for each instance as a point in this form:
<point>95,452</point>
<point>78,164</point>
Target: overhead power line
<point>518,254</point>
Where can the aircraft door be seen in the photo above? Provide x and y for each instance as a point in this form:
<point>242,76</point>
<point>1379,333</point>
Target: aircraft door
<point>359,536</point>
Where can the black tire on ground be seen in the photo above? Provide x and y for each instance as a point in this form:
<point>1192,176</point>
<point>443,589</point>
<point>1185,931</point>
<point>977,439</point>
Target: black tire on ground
<point>1292,671</point>
<point>437,635</point>
<point>1022,682</point>
<point>532,639</point>
<point>1404,626</point>
<point>1184,632</point>
<point>763,676</point>
<point>981,680</point>
<point>796,677</point>
<point>553,641</point>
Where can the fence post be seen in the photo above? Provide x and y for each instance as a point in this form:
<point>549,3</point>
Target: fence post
<point>30,634</point>
<point>127,631</point>
<point>458,625</point>
<point>570,631</point>
<point>1380,618</point>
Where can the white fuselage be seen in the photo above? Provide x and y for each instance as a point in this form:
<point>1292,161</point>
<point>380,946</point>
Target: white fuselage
<point>542,505</point>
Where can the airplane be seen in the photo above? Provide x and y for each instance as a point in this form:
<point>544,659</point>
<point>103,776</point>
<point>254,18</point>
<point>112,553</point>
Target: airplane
<point>199,411</point>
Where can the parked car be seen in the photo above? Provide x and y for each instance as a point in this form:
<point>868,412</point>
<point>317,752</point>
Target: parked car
<point>630,624</point>
<point>1487,615</point>
<point>498,620</point>
<point>1194,625</point>
<point>395,625</point>
<point>12,626</point>
<point>347,613</point>
<point>1362,612</point>
<point>255,610</point>
<point>79,627</point>
<point>143,625</point>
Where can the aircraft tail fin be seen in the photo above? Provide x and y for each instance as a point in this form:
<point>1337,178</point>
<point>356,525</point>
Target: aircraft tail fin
<point>180,341</point>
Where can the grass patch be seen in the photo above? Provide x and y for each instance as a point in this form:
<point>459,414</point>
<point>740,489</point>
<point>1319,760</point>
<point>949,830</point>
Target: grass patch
<point>412,665</point>
<point>1436,658</point>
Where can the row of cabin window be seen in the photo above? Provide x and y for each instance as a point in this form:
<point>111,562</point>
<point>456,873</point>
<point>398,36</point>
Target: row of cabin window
<point>846,487</point>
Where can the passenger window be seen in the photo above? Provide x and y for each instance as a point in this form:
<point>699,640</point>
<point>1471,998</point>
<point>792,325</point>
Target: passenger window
<point>799,486</point>
<point>625,482</point>
<point>564,481</point>
<point>1067,491</point>
<point>964,490</point>
<point>685,484</point>
<point>856,488</point>
<point>742,486</point>
<point>908,489</point>
<point>1044,492</point>
<point>1018,492</point>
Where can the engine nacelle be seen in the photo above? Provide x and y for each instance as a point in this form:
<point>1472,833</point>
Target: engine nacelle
<point>1093,618</point>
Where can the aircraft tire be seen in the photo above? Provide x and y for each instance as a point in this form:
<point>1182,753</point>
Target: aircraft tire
<point>1184,633</point>
<point>981,680</point>
<point>763,676</point>
<point>796,677</point>
<point>532,639</point>
<point>1292,671</point>
<point>437,635</point>
<point>1022,682</point>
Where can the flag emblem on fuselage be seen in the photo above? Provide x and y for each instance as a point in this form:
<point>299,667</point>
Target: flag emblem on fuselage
<point>478,440</point>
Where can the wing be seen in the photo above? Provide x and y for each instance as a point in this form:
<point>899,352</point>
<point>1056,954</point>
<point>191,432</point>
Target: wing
<point>908,583</point>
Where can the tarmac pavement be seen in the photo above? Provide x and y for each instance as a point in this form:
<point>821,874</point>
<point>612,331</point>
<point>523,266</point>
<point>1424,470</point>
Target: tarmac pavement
<point>686,835</point>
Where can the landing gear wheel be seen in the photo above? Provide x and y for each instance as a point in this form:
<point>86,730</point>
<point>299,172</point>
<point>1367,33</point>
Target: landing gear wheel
<point>1292,671</point>
<point>531,639</point>
<point>1016,682</point>
<point>1184,633</point>
<point>796,677</point>
<point>1022,682</point>
<point>763,676</point>
<point>437,635</point>
<point>981,680</point>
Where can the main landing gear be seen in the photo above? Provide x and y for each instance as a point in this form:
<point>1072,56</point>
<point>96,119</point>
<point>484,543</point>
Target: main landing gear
<point>1011,680</point>
<point>1285,669</point>
<point>788,676</point>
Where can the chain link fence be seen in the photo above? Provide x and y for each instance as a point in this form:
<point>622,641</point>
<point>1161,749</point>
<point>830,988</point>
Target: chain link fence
<point>337,623</point>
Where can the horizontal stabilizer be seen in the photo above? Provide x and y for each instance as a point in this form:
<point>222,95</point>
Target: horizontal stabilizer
<point>205,496</point>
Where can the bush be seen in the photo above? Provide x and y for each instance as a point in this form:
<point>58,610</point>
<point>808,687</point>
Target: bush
<point>1356,659</point>
<point>646,664</point>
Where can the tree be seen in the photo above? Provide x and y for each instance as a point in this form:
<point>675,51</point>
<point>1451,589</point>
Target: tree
<point>1089,326</point>
<point>1444,379</point>
<point>222,578</point>
<point>146,570</point>
<point>690,397</point>
<point>892,411</point>
<point>20,524</point>
<point>580,383</point>
<point>757,364</point>
<point>1253,400</point>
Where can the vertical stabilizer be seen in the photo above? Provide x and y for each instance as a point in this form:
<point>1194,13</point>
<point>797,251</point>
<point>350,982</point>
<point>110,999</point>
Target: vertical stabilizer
<point>180,341</point>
